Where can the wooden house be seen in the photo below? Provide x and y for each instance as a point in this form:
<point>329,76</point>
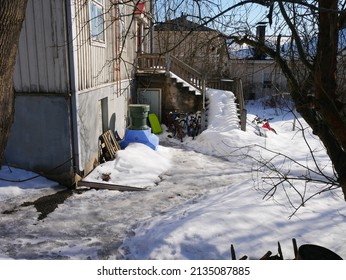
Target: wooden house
<point>199,46</point>
<point>261,75</point>
<point>74,78</point>
<point>186,57</point>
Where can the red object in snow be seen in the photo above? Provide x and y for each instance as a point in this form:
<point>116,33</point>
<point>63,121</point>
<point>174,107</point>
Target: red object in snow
<point>267,126</point>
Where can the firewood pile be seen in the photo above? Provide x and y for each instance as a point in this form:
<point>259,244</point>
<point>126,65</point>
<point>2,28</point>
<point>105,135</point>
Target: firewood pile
<point>304,252</point>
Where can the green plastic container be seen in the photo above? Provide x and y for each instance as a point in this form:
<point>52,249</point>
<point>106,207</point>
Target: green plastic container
<point>139,115</point>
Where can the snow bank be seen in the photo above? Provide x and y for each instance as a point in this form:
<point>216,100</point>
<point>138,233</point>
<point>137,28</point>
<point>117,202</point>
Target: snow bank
<point>138,165</point>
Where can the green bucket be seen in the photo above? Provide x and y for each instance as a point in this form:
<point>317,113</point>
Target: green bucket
<point>139,115</point>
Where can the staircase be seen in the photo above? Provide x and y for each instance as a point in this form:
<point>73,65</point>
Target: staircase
<point>173,68</point>
<point>188,78</point>
<point>183,84</point>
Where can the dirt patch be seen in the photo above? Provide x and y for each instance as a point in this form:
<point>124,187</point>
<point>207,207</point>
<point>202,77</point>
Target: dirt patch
<point>8,212</point>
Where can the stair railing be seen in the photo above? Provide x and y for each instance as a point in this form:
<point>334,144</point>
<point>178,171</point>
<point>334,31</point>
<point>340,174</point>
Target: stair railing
<point>151,63</point>
<point>239,93</point>
<point>159,63</point>
<point>187,73</point>
<point>236,86</point>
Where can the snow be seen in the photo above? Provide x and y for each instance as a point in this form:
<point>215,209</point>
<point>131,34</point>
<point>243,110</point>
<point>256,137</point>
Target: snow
<point>132,167</point>
<point>198,197</point>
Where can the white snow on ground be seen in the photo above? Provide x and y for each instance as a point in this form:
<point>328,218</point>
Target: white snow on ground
<point>200,197</point>
<point>138,165</point>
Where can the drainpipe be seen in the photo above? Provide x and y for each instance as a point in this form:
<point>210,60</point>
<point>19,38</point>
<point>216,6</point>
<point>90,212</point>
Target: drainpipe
<point>73,82</point>
<point>152,26</point>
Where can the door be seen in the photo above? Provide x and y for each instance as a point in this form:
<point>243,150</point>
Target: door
<point>151,97</point>
<point>103,115</point>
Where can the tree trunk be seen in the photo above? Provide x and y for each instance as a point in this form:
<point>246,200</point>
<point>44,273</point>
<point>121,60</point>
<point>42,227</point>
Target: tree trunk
<point>335,152</point>
<point>323,112</point>
<point>12,15</point>
<point>328,107</point>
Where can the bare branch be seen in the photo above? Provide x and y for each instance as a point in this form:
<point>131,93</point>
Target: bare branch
<point>297,38</point>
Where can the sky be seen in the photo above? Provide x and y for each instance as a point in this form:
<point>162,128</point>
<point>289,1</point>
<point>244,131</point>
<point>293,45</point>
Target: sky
<point>199,197</point>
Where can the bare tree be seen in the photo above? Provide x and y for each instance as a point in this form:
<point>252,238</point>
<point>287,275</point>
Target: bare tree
<point>12,15</point>
<point>311,61</point>
<point>317,96</point>
<point>311,64</point>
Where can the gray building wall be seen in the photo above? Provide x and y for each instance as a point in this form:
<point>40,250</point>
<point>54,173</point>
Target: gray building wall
<point>98,110</point>
<point>40,138</point>
<point>69,90</point>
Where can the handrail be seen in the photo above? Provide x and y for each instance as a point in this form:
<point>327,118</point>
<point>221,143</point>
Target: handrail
<point>157,62</point>
<point>177,62</point>
<point>240,99</point>
<point>151,62</point>
<point>165,63</point>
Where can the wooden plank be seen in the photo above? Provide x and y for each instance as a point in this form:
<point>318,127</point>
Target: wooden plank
<point>98,185</point>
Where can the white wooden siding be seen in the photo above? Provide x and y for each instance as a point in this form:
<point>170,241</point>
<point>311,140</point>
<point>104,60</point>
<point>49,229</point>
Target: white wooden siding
<point>95,61</point>
<point>42,61</point>
<point>41,65</point>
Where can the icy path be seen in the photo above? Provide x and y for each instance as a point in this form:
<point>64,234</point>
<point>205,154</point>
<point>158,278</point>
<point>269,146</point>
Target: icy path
<point>94,224</point>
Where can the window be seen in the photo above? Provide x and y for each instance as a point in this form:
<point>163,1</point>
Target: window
<point>139,37</point>
<point>103,115</point>
<point>122,24</point>
<point>96,21</point>
<point>267,80</point>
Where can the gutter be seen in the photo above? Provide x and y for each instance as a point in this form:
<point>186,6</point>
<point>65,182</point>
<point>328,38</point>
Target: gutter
<point>73,82</point>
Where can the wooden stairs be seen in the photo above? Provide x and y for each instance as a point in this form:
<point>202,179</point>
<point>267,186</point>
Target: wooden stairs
<point>189,78</point>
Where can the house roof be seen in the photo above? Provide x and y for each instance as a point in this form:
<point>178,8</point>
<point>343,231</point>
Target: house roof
<point>248,53</point>
<point>181,24</point>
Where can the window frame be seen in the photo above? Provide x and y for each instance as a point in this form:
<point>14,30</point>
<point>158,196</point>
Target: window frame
<point>97,27</point>
<point>122,24</point>
<point>267,80</point>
